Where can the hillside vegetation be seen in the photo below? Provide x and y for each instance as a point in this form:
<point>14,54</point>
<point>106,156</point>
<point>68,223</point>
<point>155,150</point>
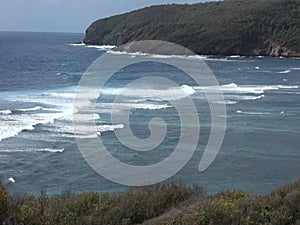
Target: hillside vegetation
<point>172,204</point>
<point>230,27</point>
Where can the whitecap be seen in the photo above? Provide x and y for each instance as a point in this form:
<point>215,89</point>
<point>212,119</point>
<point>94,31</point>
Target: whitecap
<point>244,97</point>
<point>78,44</point>
<point>252,89</point>
<point>152,94</point>
<point>91,131</point>
<point>252,113</point>
<point>287,87</point>
<point>51,150</point>
<point>61,103</point>
<point>135,54</point>
<point>132,104</point>
<point>143,106</point>
<point>235,56</point>
<point>188,89</point>
<point>128,53</point>
<point>12,180</point>
<point>176,56</point>
<point>285,71</point>
<point>15,124</point>
<point>100,47</point>
<point>31,109</point>
<point>151,106</point>
<point>5,112</point>
<point>233,91</point>
<point>227,102</point>
<point>105,128</point>
<point>231,85</point>
<point>234,88</point>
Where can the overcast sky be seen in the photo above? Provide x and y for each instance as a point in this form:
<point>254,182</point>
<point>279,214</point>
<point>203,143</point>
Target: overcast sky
<point>66,15</point>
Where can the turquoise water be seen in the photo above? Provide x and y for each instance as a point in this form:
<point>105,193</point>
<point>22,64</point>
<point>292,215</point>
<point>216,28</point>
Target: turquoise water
<point>39,73</point>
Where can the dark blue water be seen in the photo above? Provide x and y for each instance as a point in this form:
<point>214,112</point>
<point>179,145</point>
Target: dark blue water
<point>39,73</point>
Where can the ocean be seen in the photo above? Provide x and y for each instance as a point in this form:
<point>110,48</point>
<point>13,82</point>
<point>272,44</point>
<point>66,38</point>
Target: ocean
<point>39,74</point>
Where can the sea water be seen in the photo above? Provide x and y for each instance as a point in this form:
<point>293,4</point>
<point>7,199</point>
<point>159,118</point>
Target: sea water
<point>39,74</point>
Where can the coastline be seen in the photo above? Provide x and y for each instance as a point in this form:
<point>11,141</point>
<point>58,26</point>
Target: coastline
<point>116,50</point>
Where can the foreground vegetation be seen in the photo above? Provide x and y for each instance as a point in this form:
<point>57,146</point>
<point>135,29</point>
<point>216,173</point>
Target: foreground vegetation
<point>172,204</point>
<point>230,27</point>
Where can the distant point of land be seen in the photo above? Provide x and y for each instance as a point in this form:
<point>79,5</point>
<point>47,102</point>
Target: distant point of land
<point>231,27</point>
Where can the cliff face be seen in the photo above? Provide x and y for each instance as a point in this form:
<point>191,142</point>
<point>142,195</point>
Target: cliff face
<point>231,27</point>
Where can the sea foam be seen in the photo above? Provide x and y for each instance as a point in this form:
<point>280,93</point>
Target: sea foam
<point>173,93</point>
<point>100,47</point>
<point>51,150</point>
<point>252,113</point>
<point>14,124</point>
<point>5,112</point>
<point>31,109</point>
<point>285,71</point>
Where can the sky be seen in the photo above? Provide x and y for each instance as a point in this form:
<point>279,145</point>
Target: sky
<point>66,15</point>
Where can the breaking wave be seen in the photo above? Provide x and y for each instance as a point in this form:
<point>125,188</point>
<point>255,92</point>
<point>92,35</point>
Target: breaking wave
<point>33,150</point>
<point>5,112</point>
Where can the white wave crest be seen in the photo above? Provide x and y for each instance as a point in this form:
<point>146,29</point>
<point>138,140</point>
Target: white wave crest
<point>5,112</point>
<point>245,89</point>
<point>234,92</point>
<point>285,71</point>
<point>12,180</point>
<point>51,150</point>
<point>244,97</point>
<point>227,102</point>
<point>133,104</point>
<point>134,54</point>
<point>88,131</point>
<point>235,56</point>
<point>77,44</point>
<point>151,106</point>
<point>104,128</point>
<point>252,113</point>
<point>287,87</point>
<point>31,109</point>
<point>152,94</point>
<point>15,124</point>
<point>188,89</point>
<point>33,150</point>
<point>100,47</point>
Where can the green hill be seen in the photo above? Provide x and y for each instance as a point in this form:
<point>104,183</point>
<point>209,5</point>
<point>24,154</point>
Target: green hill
<point>230,27</point>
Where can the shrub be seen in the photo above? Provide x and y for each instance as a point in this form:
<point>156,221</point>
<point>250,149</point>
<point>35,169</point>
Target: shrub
<point>3,203</point>
<point>172,204</point>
